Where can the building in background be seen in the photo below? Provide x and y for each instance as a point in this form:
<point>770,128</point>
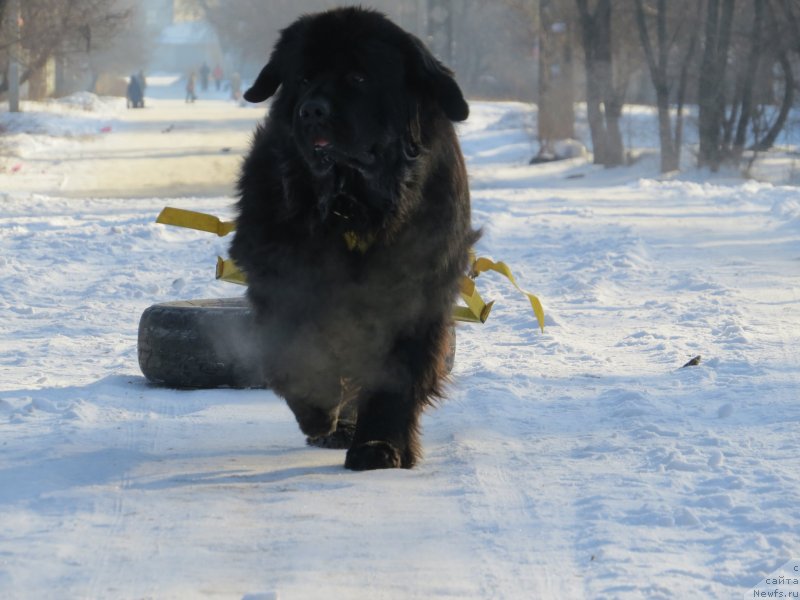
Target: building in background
<point>184,39</point>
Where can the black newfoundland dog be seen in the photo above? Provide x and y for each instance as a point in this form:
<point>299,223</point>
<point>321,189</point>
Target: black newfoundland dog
<point>353,230</point>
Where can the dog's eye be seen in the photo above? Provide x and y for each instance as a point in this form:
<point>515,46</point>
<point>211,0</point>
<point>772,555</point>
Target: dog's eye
<point>356,78</point>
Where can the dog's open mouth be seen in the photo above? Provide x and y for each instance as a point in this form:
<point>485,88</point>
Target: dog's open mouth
<point>320,143</point>
<point>327,154</point>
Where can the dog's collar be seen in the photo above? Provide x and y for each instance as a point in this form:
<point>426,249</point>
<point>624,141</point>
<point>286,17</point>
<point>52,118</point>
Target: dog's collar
<point>343,210</point>
<point>355,242</point>
<point>352,240</point>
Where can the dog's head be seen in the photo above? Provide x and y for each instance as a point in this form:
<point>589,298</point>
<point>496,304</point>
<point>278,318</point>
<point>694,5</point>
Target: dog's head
<point>352,88</point>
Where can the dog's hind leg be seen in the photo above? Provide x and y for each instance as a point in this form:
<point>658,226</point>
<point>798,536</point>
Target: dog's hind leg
<point>341,438</point>
<point>313,397</point>
<point>314,419</point>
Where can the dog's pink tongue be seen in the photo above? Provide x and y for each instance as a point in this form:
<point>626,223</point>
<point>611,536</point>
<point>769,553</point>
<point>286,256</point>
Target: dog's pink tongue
<point>321,142</point>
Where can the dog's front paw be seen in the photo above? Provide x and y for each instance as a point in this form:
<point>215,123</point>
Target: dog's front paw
<point>373,455</point>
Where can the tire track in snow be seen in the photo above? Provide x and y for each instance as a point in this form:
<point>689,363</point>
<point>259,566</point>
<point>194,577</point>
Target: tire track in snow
<point>522,527</point>
<point>137,430</point>
<point>106,575</point>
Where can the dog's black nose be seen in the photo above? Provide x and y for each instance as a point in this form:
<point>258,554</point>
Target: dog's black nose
<point>315,111</point>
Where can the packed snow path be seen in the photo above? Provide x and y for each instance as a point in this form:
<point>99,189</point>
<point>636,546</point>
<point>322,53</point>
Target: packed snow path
<point>578,463</point>
<point>167,149</point>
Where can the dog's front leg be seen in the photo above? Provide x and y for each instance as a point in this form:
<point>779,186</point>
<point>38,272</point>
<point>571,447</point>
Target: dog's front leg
<point>387,430</point>
<point>387,433</point>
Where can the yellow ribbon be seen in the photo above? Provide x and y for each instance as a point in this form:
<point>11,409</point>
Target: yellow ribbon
<point>475,311</point>
<point>195,220</point>
<point>481,265</point>
<point>228,271</point>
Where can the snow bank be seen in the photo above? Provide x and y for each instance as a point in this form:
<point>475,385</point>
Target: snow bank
<point>51,123</point>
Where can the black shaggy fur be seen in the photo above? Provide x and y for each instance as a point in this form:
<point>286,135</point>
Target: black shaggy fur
<point>358,144</point>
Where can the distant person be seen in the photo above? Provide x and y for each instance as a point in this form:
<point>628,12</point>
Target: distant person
<point>142,83</point>
<point>191,83</point>
<point>135,92</point>
<point>236,86</point>
<point>205,70</point>
<point>217,75</point>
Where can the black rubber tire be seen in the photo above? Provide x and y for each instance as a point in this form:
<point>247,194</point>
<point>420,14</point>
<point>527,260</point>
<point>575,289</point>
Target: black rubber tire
<point>205,344</point>
<point>199,344</point>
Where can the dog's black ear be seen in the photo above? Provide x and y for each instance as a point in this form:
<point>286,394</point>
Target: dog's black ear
<point>436,79</point>
<point>274,73</point>
<point>266,84</point>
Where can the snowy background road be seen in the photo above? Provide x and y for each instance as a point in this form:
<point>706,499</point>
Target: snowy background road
<point>578,463</point>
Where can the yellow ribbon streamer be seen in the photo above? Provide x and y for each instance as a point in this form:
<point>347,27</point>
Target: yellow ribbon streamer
<point>228,271</point>
<point>195,220</point>
<point>475,311</point>
<point>482,265</point>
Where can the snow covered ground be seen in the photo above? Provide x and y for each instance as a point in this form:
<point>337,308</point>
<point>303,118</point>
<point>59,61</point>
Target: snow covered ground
<point>578,463</point>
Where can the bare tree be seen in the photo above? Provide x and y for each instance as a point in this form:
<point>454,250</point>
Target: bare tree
<point>670,24</point>
<point>735,86</point>
<point>116,50</point>
<point>784,31</point>
<point>53,28</point>
<point>604,101</point>
<point>711,91</point>
<point>748,80</point>
<point>556,73</point>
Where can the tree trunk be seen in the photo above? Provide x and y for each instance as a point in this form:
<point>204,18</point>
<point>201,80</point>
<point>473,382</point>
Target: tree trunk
<point>37,84</point>
<point>683,84</point>
<point>613,116</point>
<point>556,117</point>
<point>603,109</point>
<point>712,81</point>
<point>706,88</point>
<point>749,80</point>
<point>658,75</point>
<point>788,99</point>
<point>783,60</point>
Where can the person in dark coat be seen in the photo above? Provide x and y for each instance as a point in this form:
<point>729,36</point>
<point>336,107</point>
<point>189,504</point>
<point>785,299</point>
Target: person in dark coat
<point>135,93</point>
